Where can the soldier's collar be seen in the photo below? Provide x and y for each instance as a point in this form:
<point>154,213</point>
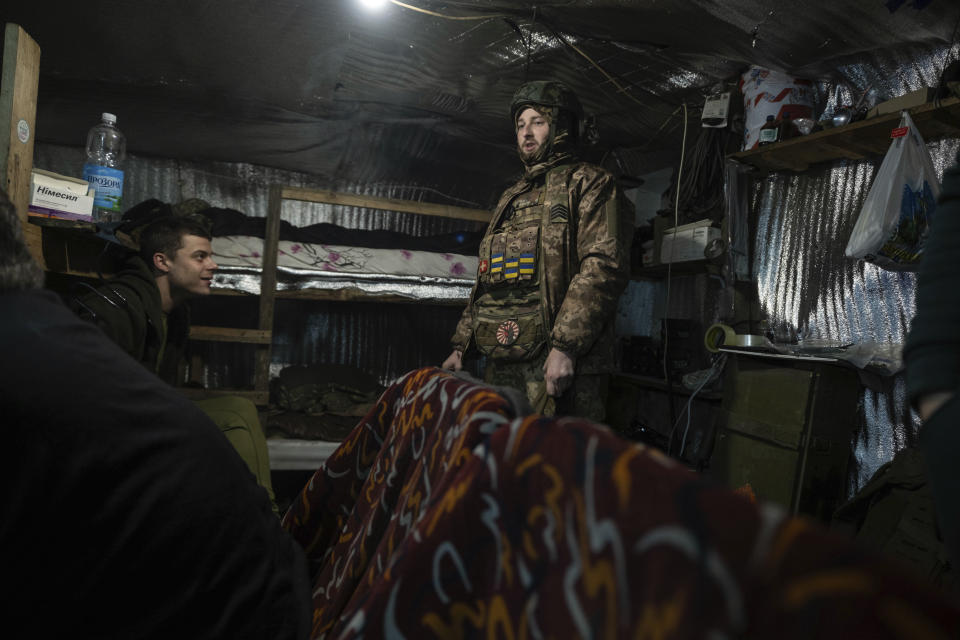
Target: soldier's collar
<point>541,168</point>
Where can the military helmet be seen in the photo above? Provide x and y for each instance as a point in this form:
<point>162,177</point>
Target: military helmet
<point>549,93</point>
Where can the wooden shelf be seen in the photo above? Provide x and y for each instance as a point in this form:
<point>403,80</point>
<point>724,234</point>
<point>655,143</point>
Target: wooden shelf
<point>661,385</point>
<point>687,268</point>
<point>229,334</point>
<point>856,141</point>
<point>78,226</point>
<point>346,295</point>
<point>61,260</point>
<point>259,398</point>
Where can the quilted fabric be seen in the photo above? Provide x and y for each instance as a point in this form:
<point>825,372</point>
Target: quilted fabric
<point>444,516</point>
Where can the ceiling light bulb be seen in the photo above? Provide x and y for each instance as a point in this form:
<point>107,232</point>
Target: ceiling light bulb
<point>373,4</point>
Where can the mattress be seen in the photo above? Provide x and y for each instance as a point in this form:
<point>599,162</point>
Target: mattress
<point>416,274</point>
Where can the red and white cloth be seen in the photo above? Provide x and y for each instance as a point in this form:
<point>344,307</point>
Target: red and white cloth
<point>772,93</point>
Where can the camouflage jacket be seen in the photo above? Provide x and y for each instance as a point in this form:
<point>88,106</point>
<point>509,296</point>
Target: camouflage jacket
<point>584,252</point>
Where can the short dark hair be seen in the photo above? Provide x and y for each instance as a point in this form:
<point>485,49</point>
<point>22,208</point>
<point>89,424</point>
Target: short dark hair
<point>165,235</point>
<point>18,269</point>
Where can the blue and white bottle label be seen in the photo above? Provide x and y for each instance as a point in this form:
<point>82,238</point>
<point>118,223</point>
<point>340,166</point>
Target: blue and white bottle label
<point>109,185</point>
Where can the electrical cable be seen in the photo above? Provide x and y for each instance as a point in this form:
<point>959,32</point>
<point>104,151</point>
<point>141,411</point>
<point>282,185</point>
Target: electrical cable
<point>536,5</point>
<point>702,189</point>
<point>666,306</point>
<point>446,17</point>
<point>606,75</point>
<point>620,88</point>
<point>714,369</point>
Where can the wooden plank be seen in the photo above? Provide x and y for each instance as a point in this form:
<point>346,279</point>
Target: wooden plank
<point>386,204</point>
<point>230,334</point>
<point>18,115</point>
<point>346,295</point>
<point>853,141</point>
<point>828,147</point>
<point>268,287</point>
<point>80,226</point>
<point>261,398</point>
<point>358,295</point>
<point>660,384</point>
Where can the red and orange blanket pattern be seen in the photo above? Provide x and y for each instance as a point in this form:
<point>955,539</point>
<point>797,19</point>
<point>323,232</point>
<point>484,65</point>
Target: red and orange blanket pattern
<point>444,516</point>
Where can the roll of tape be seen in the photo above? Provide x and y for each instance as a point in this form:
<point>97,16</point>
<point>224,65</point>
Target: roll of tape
<point>718,335</point>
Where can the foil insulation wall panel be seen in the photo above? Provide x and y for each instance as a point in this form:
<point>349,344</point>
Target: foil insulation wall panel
<point>808,289</point>
<point>806,286</point>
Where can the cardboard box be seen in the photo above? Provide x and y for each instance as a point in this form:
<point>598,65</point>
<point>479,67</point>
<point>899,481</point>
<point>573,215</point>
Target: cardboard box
<point>906,101</point>
<point>687,242</point>
<point>52,193</point>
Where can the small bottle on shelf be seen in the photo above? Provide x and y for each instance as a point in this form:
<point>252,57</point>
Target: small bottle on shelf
<point>788,129</point>
<point>769,132</point>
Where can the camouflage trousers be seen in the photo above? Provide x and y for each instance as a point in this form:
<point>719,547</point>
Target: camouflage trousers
<point>585,398</point>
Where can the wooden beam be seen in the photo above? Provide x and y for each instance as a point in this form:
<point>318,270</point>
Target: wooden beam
<point>268,289</point>
<point>18,115</point>
<point>386,204</point>
<point>261,398</point>
<point>230,334</point>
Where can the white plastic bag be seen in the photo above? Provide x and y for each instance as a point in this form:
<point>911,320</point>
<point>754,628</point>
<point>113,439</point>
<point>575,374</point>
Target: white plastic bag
<point>892,226</point>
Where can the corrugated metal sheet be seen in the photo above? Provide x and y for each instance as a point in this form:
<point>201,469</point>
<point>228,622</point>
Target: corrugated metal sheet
<point>809,289</point>
<point>245,187</point>
<point>401,96</point>
<point>806,287</point>
<point>384,339</point>
<point>412,106</point>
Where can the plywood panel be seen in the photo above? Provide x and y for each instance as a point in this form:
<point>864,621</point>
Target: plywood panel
<point>18,112</point>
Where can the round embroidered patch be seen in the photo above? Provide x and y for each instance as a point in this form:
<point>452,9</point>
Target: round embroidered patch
<point>508,332</point>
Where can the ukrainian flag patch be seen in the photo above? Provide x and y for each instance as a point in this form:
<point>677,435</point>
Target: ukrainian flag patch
<point>526,264</point>
<point>496,263</point>
<point>512,269</point>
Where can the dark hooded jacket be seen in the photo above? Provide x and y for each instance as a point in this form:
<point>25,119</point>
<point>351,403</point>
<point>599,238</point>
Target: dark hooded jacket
<point>127,308</point>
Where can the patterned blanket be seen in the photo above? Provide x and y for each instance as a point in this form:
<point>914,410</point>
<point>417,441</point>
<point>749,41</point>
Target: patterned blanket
<point>443,515</point>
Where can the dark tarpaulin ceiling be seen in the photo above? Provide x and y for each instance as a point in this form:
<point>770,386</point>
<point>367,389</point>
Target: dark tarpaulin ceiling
<point>331,88</point>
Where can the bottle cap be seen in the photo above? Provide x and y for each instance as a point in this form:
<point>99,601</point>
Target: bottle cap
<point>109,118</point>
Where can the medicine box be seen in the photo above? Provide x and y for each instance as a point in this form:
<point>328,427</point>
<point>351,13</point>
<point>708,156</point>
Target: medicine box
<point>60,196</point>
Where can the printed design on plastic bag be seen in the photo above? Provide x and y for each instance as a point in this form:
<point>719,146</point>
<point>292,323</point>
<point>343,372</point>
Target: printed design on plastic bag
<point>895,218</point>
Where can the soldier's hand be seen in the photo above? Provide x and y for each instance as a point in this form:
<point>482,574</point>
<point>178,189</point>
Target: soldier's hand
<point>558,372</point>
<point>929,403</point>
<point>454,361</point>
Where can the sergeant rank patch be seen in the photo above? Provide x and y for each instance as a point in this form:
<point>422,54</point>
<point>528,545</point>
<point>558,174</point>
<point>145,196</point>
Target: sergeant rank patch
<point>559,213</point>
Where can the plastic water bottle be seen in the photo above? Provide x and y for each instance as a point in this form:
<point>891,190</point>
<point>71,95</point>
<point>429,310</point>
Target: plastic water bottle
<point>106,151</point>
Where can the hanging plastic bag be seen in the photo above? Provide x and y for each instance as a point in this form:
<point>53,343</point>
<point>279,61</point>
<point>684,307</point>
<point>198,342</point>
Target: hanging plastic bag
<point>893,223</point>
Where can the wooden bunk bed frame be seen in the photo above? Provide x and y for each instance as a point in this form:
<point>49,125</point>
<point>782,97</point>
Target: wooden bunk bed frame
<point>262,336</point>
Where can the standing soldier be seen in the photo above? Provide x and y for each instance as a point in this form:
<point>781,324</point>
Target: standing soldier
<point>553,264</point>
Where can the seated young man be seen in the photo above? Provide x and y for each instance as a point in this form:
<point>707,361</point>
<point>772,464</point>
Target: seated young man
<point>142,310</point>
<point>127,514</point>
